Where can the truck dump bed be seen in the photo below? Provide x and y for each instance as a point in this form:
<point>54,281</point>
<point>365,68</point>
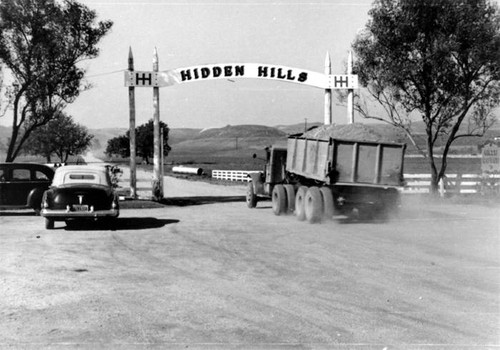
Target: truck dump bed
<point>337,161</point>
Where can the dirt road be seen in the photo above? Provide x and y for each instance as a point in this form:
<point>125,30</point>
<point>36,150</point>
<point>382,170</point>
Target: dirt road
<point>206,272</point>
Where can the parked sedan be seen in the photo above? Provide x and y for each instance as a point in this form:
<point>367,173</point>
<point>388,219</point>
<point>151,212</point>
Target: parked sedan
<point>22,185</point>
<point>80,192</point>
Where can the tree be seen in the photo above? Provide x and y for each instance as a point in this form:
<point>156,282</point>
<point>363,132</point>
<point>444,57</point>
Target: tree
<point>60,136</point>
<point>434,59</point>
<point>119,146</point>
<point>41,43</point>
<point>144,138</point>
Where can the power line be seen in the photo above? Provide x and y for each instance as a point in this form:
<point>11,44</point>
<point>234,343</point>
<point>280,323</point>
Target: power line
<point>105,73</point>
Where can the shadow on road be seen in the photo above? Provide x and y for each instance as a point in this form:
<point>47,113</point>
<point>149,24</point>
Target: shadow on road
<point>198,200</point>
<point>120,224</point>
<point>27,212</point>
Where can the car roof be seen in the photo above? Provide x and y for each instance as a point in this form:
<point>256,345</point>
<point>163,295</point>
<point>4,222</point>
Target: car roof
<point>83,167</point>
<point>23,164</point>
<point>63,174</point>
<point>26,165</point>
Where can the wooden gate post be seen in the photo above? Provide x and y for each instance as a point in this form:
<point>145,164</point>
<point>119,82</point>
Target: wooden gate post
<point>131,101</point>
<point>328,92</point>
<point>157,182</point>
<point>350,92</point>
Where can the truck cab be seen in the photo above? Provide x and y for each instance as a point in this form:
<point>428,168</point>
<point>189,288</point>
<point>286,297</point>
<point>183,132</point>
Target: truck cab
<point>262,183</point>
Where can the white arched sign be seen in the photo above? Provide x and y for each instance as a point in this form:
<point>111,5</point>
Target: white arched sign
<point>238,71</point>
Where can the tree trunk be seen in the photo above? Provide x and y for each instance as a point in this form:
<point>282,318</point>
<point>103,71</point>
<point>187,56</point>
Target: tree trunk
<point>434,185</point>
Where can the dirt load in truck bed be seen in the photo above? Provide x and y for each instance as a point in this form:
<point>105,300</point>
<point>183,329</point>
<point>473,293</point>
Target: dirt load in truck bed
<point>355,131</point>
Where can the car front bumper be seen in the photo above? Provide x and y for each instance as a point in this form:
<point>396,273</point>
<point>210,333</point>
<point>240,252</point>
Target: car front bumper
<point>65,214</point>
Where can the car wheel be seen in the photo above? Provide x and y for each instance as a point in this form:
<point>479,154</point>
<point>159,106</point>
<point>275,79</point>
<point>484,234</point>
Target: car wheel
<point>49,224</point>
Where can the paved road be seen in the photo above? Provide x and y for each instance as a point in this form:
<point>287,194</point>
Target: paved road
<point>209,273</point>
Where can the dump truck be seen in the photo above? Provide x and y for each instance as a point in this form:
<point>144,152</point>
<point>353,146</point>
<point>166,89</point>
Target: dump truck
<point>317,179</point>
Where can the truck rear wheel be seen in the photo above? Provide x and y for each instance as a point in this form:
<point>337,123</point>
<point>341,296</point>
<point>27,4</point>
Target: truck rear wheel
<point>328,206</point>
<point>278,199</point>
<point>251,196</point>
<point>300,203</point>
<point>290,197</point>
<point>313,205</point>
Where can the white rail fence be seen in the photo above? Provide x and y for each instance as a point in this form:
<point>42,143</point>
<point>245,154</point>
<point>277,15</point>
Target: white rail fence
<point>415,183</point>
<point>232,175</point>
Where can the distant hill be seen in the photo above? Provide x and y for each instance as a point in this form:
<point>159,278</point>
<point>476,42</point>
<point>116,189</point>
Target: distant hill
<point>241,131</point>
<point>218,141</point>
<point>182,134</point>
<point>101,136</point>
<point>296,128</point>
<point>244,138</point>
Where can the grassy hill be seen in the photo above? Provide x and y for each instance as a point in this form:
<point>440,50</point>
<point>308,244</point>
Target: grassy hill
<point>239,142</point>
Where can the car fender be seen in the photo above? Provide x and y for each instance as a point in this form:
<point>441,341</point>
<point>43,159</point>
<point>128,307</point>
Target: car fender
<point>34,199</point>
<point>258,184</point>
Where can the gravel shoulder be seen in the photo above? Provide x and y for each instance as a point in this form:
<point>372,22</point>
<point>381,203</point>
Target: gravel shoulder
<point>205,272</point>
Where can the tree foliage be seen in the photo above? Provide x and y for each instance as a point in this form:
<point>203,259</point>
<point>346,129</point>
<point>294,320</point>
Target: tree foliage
<point>41,43</point>
<point>434,59</point>
<point>144,139</point>
<point>60,136</point>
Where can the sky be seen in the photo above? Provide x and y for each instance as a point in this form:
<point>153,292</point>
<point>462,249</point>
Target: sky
<point>185,33</point>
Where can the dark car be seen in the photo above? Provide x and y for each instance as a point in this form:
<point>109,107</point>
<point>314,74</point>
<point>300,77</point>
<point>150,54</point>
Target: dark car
<point>23,184</point>
<point>80,192</point>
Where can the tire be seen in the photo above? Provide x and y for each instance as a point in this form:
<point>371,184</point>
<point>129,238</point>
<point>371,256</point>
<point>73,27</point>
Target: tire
<point>313,205</point>
<point>279,200</point>
<point>251,196</point>
<point>300,203</point>
<point>49,224</point>
<point>328,206</point>
<point>290,197</point>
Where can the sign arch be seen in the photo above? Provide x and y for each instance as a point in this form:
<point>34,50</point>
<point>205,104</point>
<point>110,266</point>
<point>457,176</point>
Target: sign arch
<point>239,71</point>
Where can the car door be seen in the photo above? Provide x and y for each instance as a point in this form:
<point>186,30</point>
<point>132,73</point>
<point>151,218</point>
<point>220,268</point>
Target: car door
<point>3,185</point>
<point>20,186</point>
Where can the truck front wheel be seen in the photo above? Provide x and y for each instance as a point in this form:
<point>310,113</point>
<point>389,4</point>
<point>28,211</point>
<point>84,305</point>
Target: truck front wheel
<point>251,196</point>
<point>278,199</point>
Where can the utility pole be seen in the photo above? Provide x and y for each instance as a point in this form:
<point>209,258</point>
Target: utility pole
<point>158,183</point>
<point>131,101</point>
<point>350,92</point>
<point>328,92</point>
